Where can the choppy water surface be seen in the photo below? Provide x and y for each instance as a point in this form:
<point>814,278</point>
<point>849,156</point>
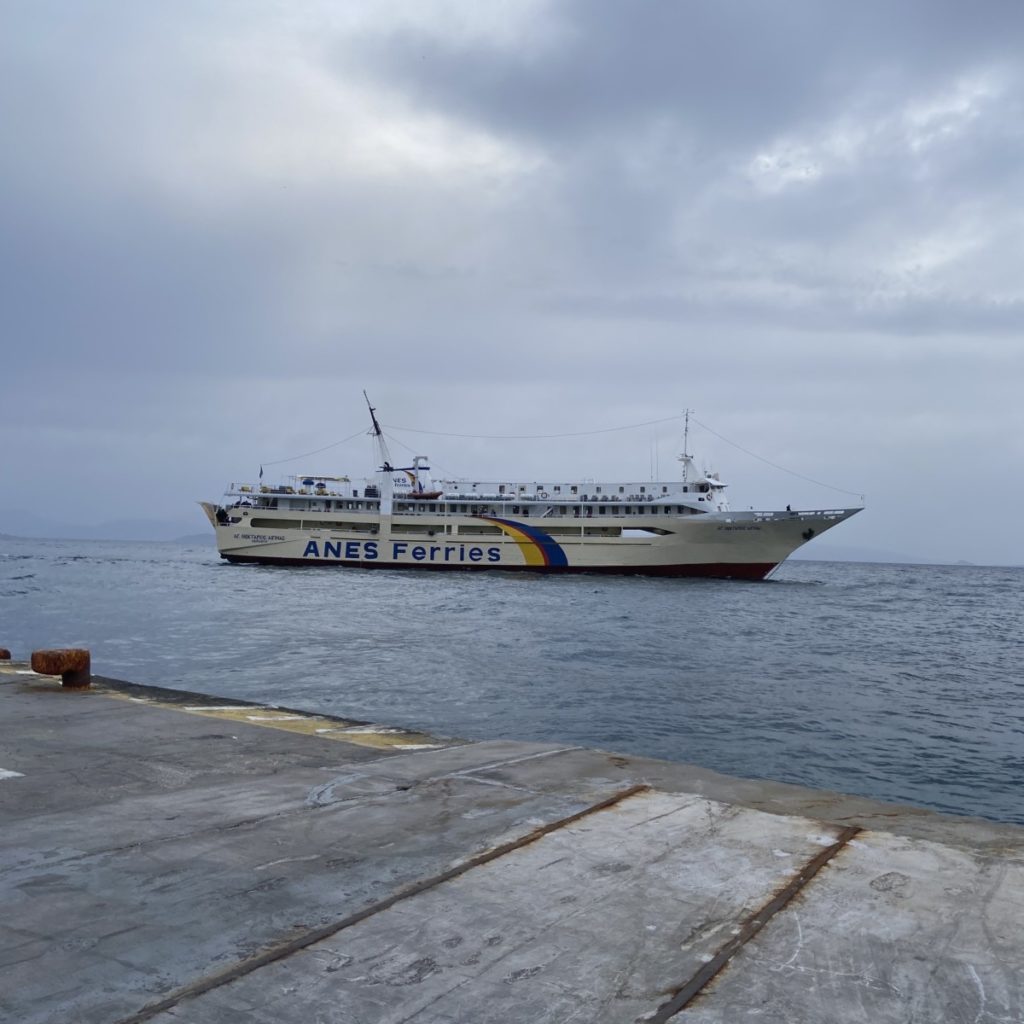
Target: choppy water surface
<point>903,683</point>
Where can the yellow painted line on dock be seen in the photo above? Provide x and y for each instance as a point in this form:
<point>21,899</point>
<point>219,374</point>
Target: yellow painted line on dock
<point>381,737</point>
<point>13,669</point>
<point>359,733</point>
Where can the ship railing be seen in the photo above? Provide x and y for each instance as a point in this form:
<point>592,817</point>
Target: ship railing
<point>815,513</point>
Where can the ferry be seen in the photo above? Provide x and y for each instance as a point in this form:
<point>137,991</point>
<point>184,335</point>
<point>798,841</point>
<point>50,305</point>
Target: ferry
<point>402,518</point>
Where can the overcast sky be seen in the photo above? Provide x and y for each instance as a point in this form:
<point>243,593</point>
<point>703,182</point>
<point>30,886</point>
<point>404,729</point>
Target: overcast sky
<point>220,221</point>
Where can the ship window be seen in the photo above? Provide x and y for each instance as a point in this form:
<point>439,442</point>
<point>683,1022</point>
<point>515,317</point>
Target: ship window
<point>574,489</point>
<point>598,491</point>
<point>622,490</point>
<point>603,510</point>
<point>557,488</point>
<point>643,489</point>
<point>664,490</point>
<point>685,489</point>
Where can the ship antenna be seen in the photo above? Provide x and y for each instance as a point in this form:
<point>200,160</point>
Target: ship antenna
<point>379,435</point>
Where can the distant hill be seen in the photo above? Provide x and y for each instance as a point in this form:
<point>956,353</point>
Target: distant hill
<point>19,523</point>
<point>825,552</point>
<point>195,540</point>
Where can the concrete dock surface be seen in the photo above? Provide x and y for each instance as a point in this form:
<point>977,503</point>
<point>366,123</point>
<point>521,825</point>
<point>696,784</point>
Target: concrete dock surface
<point>172,857</point>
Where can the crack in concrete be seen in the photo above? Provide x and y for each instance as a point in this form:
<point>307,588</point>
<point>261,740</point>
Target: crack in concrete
<point>696,985</point>
<point>284,949</point>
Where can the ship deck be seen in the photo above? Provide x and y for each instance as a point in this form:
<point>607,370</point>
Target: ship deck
<point>171,856</point>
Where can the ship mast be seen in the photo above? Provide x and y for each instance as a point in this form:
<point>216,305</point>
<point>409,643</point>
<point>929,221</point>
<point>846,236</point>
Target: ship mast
<point>382,448</point>
<point>686,458</point>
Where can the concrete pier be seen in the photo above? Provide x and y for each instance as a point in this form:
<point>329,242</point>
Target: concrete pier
<point>169,857</point>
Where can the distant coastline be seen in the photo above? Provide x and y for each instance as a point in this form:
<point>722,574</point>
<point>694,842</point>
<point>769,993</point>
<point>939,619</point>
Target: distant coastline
<point>187,540</point>
<point>23,525</point>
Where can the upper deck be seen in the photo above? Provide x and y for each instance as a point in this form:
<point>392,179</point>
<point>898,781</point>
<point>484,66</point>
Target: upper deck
<point>464,498</point>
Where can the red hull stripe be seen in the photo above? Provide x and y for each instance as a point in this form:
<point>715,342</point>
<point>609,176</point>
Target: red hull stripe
<point>717,570</point>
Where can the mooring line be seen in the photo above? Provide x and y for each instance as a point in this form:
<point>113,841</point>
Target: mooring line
<point>313,935</point>
<point>750,927</point>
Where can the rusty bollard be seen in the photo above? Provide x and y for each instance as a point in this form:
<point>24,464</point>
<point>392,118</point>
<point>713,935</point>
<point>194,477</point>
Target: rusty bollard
<point>71,664</point>
<point>5,655</point>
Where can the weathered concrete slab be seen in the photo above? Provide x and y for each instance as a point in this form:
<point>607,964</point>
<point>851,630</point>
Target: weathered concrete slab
<point>764,794</point>
<point>893,930</point>
<point>178,857</point>
<point>167,857</point>
<point>170,906</point>
<point>538,934</point>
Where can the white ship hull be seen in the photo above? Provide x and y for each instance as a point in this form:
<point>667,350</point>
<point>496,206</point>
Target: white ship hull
<point>739,545</point>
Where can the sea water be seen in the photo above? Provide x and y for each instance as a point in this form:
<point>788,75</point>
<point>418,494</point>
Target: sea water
<point>899,682</point>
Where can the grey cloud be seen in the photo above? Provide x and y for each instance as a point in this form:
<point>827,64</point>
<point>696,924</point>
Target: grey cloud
<point>729,73</point>
<point>687,91</point>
